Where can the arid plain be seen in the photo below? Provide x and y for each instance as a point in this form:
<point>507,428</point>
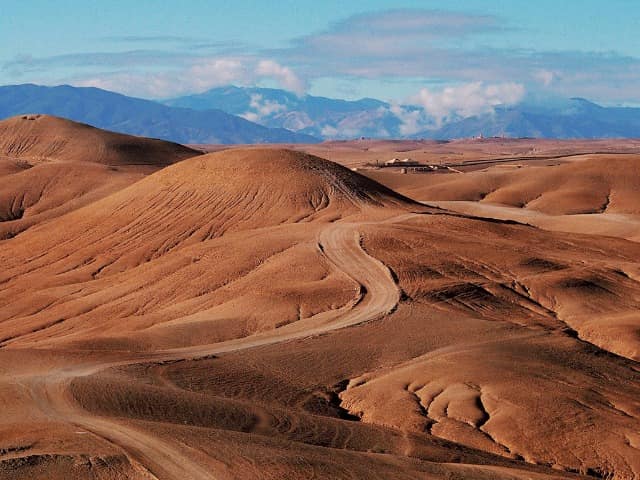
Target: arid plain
<point>296,313</point>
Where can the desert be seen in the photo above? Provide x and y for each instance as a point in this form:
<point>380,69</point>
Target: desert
<point>301,240</point>
<point>264,312</point>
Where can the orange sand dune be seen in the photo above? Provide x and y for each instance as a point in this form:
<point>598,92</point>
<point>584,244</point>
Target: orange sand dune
<point>50,166</point>
<point>37,138</point>
<point>588,184</point>
<point>185,224</point>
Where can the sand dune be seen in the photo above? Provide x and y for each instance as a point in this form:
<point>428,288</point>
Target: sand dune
<point>593,194</point>
<point>587,184</point>
<point>36,138</point>
<point>265,313</point>
<point>50,166</point>
<point>184,224</point>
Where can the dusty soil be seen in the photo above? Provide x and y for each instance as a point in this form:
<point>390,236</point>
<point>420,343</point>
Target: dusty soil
<point>266,313</point>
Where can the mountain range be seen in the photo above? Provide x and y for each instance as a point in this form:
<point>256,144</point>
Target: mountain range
<point>318,116</point>
<point>572,118</point>
<point>332,118</point>
<point>135,116</point>
<point>232,115</point>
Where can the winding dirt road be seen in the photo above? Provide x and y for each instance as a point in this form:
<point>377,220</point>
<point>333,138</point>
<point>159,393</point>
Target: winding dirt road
<point>339,243</point>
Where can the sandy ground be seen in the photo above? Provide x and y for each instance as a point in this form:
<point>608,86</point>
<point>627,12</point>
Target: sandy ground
<point>608,224</point>
<point>265,313</point>
<point>369,152</point>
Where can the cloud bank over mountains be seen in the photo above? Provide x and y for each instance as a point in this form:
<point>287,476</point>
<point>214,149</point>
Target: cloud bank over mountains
<point>467,100</point>
<point>428,109</point>
<point>284,116</point>
<point>202,75</point>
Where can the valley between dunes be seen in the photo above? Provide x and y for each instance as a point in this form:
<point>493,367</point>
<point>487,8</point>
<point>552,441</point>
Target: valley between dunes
<point>266,313</point>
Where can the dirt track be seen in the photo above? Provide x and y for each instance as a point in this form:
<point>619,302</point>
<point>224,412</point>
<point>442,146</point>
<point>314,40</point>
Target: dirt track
<point>340,243</point>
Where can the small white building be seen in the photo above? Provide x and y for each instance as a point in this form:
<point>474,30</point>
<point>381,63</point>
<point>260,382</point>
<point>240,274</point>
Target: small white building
<point>405,162</point>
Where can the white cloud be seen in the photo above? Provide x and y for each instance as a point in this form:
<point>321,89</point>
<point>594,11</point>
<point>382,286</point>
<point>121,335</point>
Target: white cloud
<point>251,116</point>
<point>447,47</point>
<point>198,75</point>
<point>266,107</point>
<point>402,31</point>
<point>262,108</point>
<point>411,120</point>
<point>138,84</point>
<point>398,45</point>
<point>283,75</point>
<point>216,72</point>
<point>467,100</point>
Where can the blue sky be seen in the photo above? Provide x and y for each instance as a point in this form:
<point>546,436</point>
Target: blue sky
<point>411,51</point>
